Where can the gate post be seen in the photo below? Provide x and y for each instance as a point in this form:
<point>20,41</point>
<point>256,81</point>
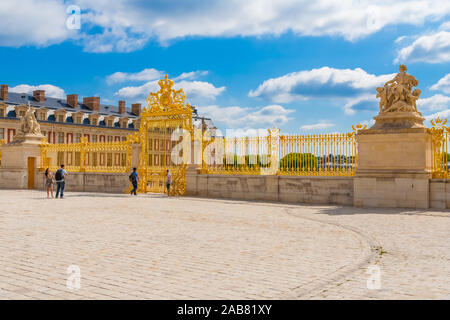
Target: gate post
<point>394,155</point>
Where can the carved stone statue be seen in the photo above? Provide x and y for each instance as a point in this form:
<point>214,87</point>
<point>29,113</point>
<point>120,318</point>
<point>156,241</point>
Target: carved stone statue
<point>29,128</point>
<point>398,108</point>
<point>397,94</point>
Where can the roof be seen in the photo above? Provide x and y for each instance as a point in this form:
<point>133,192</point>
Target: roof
<point>56,103</point>
<point>50,103</point>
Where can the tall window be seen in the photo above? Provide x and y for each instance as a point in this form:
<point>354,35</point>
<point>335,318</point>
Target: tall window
<point>110,138</point>
<point>60,137</point>
<point>94,138</point>
<point>2,133</point>
<point>77,137</point>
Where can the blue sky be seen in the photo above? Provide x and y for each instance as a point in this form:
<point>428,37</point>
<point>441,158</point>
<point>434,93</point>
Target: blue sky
<point>303,66</point>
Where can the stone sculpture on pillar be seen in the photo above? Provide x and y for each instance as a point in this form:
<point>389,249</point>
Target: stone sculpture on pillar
<point>394,155</point>
<point>29,130</point>
<point>398,108</point>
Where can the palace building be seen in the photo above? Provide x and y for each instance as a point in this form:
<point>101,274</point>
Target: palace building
<point>67,120</point>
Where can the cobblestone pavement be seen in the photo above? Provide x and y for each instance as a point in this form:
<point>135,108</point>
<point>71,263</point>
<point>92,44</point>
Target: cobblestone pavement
<point>151,247</point>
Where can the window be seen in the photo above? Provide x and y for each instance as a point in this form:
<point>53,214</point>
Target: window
<point>77,137</point>
<point>77,158</point>
<point>109,161</point>
<point>60,157</point>
<point>60,118</point>
<point>94,138</point>
<point>60,137</point>
<point>124,138</point>
<point>2,133</point>
<point>110,138</point>
<point>44,133</point>
<point>41,116</point>
<point>109,123</point>
<point>2,112</point>
<point>93,121</point>
<point>78,119</point>
<point>11,134</point>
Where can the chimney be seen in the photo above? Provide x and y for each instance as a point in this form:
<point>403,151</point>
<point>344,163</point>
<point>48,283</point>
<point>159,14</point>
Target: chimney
<point>72,100</point>
<point>121,107</point>
<point>136,108</point>
<point>4,92</point>
<point>92,103</point>
<point>39,95</point>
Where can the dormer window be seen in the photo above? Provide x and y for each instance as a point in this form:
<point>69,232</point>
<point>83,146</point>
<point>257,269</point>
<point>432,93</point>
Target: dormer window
<point>2,112</point>
<point>60,118</point>
<point>78,119</point>
<point>109,123</point>
<point>41,116</point>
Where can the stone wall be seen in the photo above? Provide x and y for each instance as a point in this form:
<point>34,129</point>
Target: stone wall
<point>440,194</point>
<point>292,189</point>
<point>91,182</point>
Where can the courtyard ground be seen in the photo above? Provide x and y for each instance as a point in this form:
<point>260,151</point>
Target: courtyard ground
<point>152,247</point>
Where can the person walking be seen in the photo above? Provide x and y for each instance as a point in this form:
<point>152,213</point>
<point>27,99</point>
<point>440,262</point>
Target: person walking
<point>168,182</point>
<point>60,175</point>
<point>134,181</point>
<point>49,181</point>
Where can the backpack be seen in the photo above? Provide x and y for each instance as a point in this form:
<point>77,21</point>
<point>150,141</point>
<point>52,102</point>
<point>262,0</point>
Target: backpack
<point>58,175</point>
<point>132,177</point>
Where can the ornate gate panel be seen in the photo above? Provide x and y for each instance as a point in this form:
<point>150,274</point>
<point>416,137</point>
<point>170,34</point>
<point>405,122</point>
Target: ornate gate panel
<point>165,132</point>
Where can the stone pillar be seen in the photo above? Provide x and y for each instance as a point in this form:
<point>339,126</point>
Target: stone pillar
<point>394,155</point>
<point>394,168</point>
<point>14,169</point>
<point>192,179</point>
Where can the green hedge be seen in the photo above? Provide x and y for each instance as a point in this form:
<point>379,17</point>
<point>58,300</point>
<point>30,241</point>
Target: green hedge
<point>305,161</point>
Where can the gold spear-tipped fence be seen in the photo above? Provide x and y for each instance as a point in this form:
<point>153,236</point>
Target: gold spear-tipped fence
<point>332,154</point>
<point>88,156</point>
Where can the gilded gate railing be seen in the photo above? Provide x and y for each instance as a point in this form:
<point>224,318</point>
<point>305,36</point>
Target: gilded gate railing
<point>87,156</point>
<point>308,155</point>
<point>440,155</point>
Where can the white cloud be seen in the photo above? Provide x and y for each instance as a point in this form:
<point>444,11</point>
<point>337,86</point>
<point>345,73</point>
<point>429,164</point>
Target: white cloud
<point>50,90</point>
<point>443,84</point>
<point>191,75</point>
<point>434,103</point>
<point>317,126</point>
<point>441,114</point>
<point>365,102</point>
<point>239,117</point>
<point>144,75</point>
<point>192,89</point>
<point>33,22</point>
<point>431,48</point>
<point>325,82</point>
<point>127,25</point>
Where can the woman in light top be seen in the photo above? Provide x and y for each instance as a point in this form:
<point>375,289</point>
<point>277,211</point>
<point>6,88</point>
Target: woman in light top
<point>49,181</point>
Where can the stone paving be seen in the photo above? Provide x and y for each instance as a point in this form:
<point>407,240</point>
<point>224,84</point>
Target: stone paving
<point>152,247</point>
